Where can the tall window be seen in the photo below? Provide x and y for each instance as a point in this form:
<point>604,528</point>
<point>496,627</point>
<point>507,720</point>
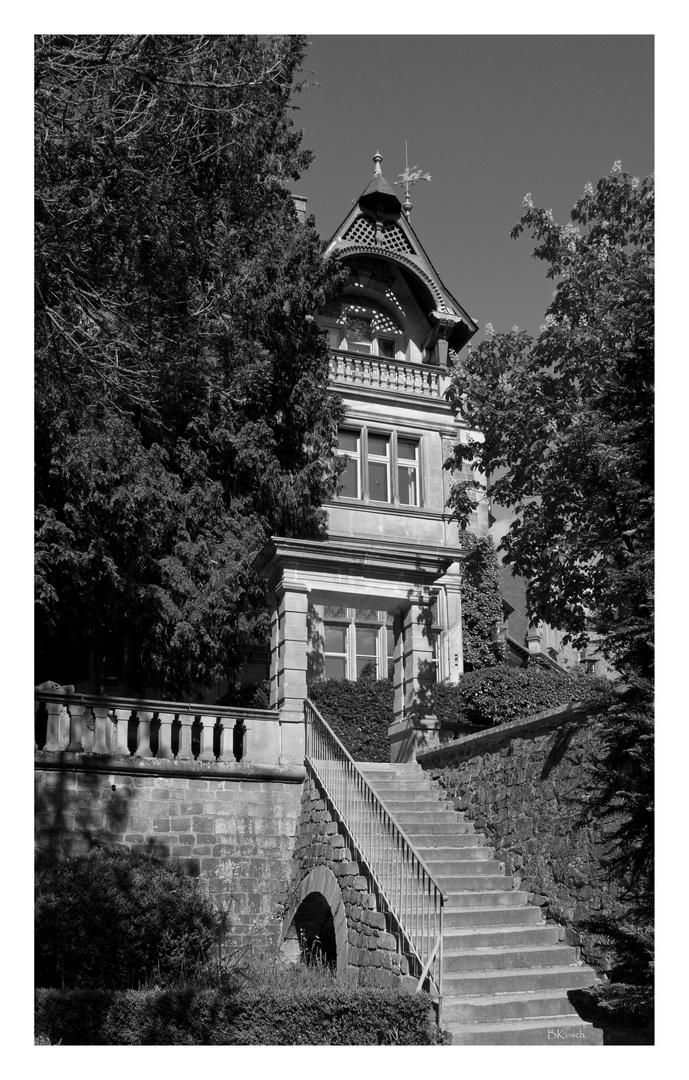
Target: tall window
<point>349,446</point>
<point>357,642</point>
<point>380,467</point>
<point>408,471</point>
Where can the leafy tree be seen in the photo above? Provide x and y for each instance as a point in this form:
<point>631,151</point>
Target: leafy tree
<point>567,423</point>
<point>182,409</point>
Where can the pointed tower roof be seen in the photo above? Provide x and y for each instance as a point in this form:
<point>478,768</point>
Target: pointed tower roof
<point>377,226</point>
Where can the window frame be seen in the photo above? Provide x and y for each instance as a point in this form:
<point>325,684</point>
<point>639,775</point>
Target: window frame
<point>392,461</point>
<point>350,623</point>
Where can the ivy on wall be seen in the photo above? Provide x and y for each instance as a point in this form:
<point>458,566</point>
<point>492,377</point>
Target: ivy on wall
<point>481,604</point>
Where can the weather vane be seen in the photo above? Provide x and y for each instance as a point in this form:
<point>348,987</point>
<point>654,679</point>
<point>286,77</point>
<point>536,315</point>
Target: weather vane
<point>408,178</point>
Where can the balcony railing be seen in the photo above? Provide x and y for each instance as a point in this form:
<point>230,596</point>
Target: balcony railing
<point>398,376</point>
<point>163,730</point>
<point>406,886</point>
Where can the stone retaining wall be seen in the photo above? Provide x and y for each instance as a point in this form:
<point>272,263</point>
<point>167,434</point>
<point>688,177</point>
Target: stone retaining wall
<point>525,786</point>
<point>233,828</point>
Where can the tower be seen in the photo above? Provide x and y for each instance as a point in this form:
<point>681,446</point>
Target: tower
<point>382,595</point>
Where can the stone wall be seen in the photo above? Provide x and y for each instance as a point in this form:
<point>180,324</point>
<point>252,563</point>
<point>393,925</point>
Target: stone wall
<point>525,786</point>
<point>372,958</point>
<point>235,829</point>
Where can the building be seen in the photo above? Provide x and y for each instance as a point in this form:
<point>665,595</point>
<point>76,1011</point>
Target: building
<point>382,594</point>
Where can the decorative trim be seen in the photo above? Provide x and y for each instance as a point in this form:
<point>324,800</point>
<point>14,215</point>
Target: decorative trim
<point>65,761</point>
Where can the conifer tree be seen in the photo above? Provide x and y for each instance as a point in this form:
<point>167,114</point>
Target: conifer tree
<point>182,409</point>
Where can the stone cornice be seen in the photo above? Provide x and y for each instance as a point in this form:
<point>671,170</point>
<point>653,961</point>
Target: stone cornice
<point>64,761</point>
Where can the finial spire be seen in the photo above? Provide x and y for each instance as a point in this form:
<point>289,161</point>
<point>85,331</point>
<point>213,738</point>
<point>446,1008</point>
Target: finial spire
<point>377,157</point>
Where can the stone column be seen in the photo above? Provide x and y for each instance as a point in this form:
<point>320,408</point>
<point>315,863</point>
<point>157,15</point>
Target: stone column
<point>453,651</point>
<point>293,603</point>
<point>415,726</point>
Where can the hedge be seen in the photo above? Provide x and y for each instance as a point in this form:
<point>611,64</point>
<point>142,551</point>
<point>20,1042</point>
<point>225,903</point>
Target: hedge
<point>322,1015</point>
<point>359,712</point>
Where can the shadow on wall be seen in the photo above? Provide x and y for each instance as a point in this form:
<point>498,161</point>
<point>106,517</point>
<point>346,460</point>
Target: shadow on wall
<point>73,813</point>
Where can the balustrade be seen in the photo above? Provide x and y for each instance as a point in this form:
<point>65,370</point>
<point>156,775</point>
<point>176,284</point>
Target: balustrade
<point>164,731</point>
<point>398,376</point>
<point>406,885</point>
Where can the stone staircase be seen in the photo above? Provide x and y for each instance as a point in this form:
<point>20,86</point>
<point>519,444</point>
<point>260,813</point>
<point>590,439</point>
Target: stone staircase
<point>505,972</point>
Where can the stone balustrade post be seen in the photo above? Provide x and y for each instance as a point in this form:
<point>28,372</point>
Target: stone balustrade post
<point>184,752</point>
<point>206,752</point>
<point>76,745</point>
<point>101,726</point>
<point>165,735</point>
<point>52,735</point>
<point>121,733</point>
<point>143,735</point>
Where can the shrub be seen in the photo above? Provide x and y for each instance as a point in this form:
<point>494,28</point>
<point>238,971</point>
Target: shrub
<point>359,714</point>
<point>496,695</point>
<point>263,1015</point>
<point>113,919</point>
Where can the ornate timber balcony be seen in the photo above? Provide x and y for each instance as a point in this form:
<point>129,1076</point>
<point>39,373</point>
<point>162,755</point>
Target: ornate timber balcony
<point>380,373</point>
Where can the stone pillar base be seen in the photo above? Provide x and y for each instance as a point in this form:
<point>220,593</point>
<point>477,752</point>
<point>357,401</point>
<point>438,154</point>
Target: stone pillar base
<point>410,736</point>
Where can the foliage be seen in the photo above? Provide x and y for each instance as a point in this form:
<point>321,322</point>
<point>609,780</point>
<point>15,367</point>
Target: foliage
<point>358,712</point>
<point>497,695</point>
<point>182,409</point>
<point>567,423</point>
<point>113,918</point>
<point>330,1014</point>
<point>621,790</point>
<point>616,1006</point>
<point>481,604</point>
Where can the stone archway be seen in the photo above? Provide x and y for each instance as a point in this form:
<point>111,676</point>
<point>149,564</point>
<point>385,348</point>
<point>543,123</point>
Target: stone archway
<point>317,906</point>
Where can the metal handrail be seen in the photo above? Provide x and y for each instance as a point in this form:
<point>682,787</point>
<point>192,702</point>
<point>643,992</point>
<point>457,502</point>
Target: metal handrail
<point>406,885</point>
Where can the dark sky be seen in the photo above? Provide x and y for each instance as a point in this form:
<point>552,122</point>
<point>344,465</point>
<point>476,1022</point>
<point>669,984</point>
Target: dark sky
<point>490,118</point>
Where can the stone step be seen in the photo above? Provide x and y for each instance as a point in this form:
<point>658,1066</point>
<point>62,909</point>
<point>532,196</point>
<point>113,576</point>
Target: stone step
<point>488,1007</point>
<point>403,785</point>
<point>446,840</point>
<point>453,855</point>
<point>463,898</point>
<point>556,1031</point>
<point>445,828</point>
<point>460,918</point>
<point>480,864</point>
<point>472,937</point>
<point>475,882</point>
<point>427,817</point>
<point>497,959</point>
<point>422,801</point>
<point>516,980</point>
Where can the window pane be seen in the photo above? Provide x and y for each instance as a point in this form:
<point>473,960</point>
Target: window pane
<point>378,481</point>
<point>348,440</point>
<point>335,638</point>
<point>391,652</point>
<point>334,667</point>
<point>407,486</point>
<point>366,614</point>
<point>331,611</point>
<point>378,444</point>
<point>366,641</point>
<point>349,485</point>
<point>366,666</point>
<point>406,448</point>
<point>386,347</point>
